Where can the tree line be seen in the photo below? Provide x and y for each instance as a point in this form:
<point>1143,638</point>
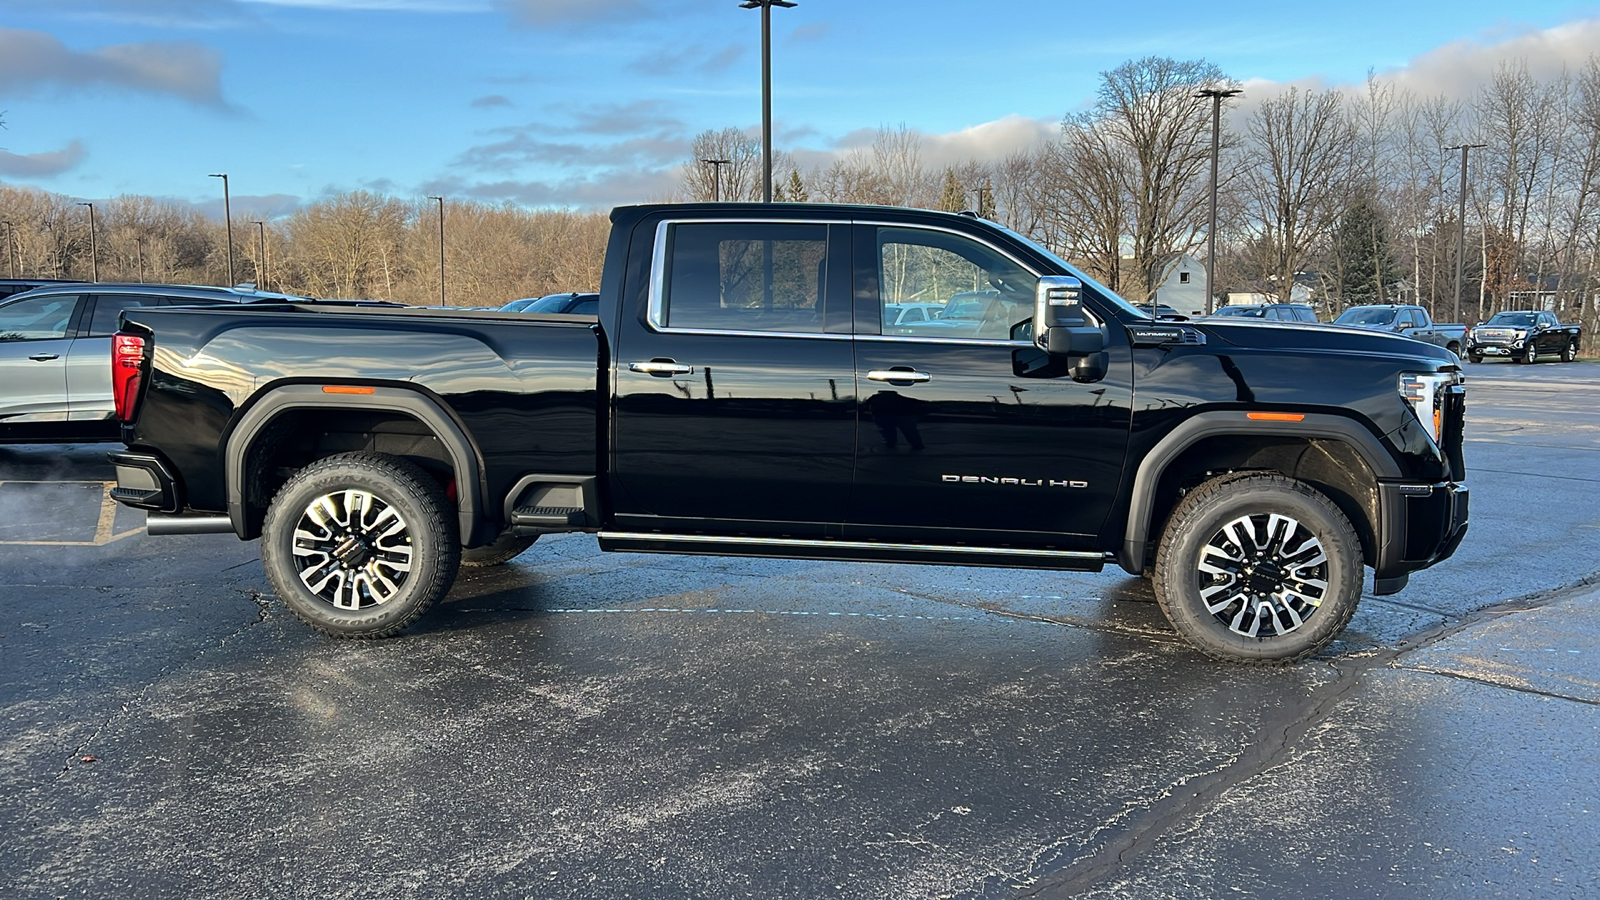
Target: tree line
<point>357,245</point>
<point>1355,195</point>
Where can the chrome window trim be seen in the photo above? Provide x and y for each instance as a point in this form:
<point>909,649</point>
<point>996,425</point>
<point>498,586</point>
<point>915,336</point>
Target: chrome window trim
<point>658,286</point>
<point>846,545</point>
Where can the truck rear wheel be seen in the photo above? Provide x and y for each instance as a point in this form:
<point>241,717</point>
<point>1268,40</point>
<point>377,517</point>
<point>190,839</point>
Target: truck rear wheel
<point>505,548</point>
<point>1258,568</point>
<point>360,545</point>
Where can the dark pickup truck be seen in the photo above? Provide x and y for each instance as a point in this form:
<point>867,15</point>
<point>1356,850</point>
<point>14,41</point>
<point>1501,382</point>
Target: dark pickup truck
<point>740,394</point>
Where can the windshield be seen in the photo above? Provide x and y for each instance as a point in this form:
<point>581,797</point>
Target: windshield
<point>1255,312</point>
<point>1512,319</point>
<point>552,304</point>
<point>1359,316</point>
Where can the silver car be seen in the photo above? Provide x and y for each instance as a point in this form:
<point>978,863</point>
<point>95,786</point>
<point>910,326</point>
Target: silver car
<point>55,354</point>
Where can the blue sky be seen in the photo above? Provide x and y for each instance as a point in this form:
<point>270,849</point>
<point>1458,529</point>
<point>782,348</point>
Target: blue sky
<point>590,103</point>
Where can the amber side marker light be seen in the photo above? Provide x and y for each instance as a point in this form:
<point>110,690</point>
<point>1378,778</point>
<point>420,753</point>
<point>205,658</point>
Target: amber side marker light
<point>1276,417</point>
<point>346,389</point>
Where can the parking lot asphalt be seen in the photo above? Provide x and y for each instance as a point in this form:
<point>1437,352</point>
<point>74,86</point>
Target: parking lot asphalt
<point>579,724</point>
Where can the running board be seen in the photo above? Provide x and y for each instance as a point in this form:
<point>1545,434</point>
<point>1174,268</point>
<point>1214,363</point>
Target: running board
<point>851,551</point>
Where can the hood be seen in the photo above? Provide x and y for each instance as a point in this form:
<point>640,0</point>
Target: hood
<point>1260,335</point>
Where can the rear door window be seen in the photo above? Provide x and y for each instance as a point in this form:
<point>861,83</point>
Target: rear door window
<point>108,307</point>
<point>744,277</point>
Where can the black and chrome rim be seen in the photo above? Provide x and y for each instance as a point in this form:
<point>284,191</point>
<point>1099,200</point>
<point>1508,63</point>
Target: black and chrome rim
<point>1263,575</point>
<point>352,549</point>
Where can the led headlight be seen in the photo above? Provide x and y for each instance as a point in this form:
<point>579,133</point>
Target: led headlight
<point>1424,393</point>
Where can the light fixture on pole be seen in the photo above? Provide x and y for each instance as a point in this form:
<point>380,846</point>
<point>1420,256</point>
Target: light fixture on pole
<point>1216,95</point>
<point>261,265</point>
<point>227,215</point>
<point>441,250</point>
<point>1461,227</point>
<point>716,177</point>
<point>94,249</point>
<point>766,87</point>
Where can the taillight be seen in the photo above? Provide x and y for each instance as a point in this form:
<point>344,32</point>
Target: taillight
<point>127,373</point>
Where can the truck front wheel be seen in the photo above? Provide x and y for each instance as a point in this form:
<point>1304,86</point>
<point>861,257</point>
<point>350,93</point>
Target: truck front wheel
<point>360,545</point>
<point>1258,568</point>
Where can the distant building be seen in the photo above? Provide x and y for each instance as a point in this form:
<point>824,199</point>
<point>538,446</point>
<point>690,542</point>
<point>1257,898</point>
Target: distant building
<point>1185,286</point>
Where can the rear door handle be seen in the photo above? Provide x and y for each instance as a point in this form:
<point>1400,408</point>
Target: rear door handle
<point>899,375</point>
<point>660,367</point>
<point>44,357</point>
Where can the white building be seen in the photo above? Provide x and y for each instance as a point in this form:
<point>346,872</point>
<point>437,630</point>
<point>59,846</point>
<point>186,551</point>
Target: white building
<point>1185,286</point>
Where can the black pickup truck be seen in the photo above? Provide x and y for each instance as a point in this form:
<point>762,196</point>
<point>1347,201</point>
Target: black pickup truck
<point>740,393</point>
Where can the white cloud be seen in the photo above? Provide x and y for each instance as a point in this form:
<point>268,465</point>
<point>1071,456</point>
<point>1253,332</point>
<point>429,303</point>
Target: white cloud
<point>42,165</point>
<point>32,61</point>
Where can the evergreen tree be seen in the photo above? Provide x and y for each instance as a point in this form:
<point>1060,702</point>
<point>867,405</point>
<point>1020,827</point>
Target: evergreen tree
<point>797,188</point>
<point>954,199</point>
<point>1366,266</point>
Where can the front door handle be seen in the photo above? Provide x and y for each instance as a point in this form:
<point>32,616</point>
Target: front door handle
<point>661,367</point>
<point>899,375</point>
<point>44,357</point>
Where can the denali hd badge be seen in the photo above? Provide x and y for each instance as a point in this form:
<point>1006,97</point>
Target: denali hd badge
<point>1019,482</point>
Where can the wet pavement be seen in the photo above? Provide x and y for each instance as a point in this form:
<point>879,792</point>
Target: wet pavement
<point>579,724</point>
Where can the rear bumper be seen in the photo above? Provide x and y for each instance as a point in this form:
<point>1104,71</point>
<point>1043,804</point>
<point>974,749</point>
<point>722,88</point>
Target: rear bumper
<point>144,481</point>
<point>1423,524</point>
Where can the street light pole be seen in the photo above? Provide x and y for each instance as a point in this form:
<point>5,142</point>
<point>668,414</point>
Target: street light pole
<point>766,87</point>
<point>441,250</point>
<point>1216,95</point>
<point>716,177</point>
<point>1461,227</point>
<point>94,250</point>
<point>227,214</point>
<point>261,235</point>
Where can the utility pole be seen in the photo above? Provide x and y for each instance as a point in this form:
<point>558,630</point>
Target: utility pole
<point>1216,95</point>
<point>227,215</point>
<point>716,177</point>
<point>94,250</point>
<point>261,235</point>
<point>766,87</point>
<point>441,250</point>
<point>1461,227</point>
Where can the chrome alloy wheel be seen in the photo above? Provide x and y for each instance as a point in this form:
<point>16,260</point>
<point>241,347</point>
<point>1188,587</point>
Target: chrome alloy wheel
<point>352,549</point>
<point>1263,575</point>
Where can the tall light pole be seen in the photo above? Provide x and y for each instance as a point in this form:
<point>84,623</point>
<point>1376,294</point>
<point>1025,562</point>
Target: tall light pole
<point>227,214</point>
<point>716,177</point>
<point>1461,227</point>
<point>441,250</point>
<point>94,249</point>
<point>1216,95</point>
<point>261,235</point>
<point>766,87</point>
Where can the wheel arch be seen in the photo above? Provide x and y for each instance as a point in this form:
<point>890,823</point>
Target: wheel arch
<point>1337,455</point>
<point>279,406</point>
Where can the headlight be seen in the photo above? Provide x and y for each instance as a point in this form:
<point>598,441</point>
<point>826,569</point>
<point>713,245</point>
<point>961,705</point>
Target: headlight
<point>1424,393</point>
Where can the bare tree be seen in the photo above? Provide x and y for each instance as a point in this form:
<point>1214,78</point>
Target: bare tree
<point>1299,152</point>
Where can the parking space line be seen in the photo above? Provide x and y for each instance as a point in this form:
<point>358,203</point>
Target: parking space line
<point>104,532</point>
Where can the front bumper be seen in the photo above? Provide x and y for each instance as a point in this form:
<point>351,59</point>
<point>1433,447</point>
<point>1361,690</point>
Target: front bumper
<point>1423,524</point>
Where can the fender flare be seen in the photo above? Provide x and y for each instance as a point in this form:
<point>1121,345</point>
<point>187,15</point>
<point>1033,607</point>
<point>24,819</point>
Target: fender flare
<point>463,456</point>
<point>1215,424</point>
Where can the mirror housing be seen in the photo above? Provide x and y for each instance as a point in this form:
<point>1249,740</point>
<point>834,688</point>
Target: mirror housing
<point>1064,327</point>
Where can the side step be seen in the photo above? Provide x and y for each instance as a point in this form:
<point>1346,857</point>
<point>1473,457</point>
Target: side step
<point>549,517</point>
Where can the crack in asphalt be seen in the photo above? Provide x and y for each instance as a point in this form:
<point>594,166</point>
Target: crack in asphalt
<point>1521,689</point>
<point>1276,739</point>
<point>127,707</point>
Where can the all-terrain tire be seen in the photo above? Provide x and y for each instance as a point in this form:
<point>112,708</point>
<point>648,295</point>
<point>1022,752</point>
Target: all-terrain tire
<point>1258,568</point>
<point>360,545</point>
<point>1569,352</point>
<point>505,548</point>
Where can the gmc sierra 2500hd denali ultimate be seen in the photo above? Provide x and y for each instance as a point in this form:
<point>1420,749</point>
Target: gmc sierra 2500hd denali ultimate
<point>740,393</point>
